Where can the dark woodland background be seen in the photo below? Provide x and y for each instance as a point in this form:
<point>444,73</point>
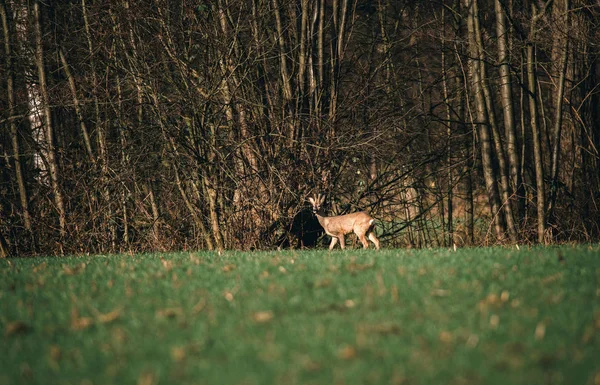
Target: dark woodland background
<point>168,125</point>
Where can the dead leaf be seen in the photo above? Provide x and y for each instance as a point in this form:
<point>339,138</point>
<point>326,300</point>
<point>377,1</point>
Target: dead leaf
<point>354,267</point>
<point>323,282</point>
<point>383,328</point>
<point>440,293</point>
<point>178,353</point>
<point>552,278</point>
<point>540,331</point>
<point>446,336</point>
<point>168,265</point>
<point>79,323</point>
<point>16,327</point>
<point>68,270</point>
<point>109,317</point>
<point>263,316</point>
<point>55,353</point>
<point>347,352</point>
<point>195,260</point>
<point>169,312</point>
<point>146,378</point>
<point>494,321</point>
<point>472,341</point>
<point>492,298</point>
<point>199,306</point>
<point>228,268</point>
<point>40,267</point>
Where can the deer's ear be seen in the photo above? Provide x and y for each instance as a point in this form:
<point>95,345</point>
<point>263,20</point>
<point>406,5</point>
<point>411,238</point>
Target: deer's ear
<point>312,201</point>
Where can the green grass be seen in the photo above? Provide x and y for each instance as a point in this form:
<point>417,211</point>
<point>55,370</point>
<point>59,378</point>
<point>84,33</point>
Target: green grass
<point>474,316</point>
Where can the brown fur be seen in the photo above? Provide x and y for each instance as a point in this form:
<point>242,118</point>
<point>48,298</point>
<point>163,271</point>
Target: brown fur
<point>361,223</point>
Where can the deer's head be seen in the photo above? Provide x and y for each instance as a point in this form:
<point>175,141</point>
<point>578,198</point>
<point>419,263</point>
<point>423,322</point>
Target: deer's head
<point>316,202</point>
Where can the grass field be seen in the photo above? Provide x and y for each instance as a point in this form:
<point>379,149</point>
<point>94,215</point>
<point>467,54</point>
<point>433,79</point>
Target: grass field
<point>474,316</point>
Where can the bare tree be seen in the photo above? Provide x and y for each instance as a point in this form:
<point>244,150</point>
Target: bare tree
<point>52,159</point>
<point>12,114</point>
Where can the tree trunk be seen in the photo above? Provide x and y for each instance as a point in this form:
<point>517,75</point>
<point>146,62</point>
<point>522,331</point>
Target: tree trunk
<point>76,104</point>
<point>510,129</point>
<point>100,129</point>
<point>535,130</point>
<point>14,133</point>
<point>557,131</point>
<point>49,130</point>
<point>491,113</point>
<point>449,163</point>
<point>482,123</point>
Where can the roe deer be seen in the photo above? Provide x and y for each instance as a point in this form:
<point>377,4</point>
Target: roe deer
<point>361,223</point>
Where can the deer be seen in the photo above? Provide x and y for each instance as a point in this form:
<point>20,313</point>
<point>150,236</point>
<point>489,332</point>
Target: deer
<point>361,223</point>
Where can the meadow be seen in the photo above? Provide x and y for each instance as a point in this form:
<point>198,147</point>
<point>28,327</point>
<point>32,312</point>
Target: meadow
<point>470,316</point>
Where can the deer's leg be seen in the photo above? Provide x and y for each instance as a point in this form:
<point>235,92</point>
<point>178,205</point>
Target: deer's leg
<point>342,244</point>
<point>363,240</point>
<point>374,239</point>
<point>333,242</point>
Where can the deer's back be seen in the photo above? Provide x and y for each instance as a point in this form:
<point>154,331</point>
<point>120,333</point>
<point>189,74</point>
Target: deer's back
<point>358,222</point>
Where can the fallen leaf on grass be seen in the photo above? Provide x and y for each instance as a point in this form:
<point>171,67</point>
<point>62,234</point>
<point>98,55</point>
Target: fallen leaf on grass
<point>494,321</point>
<point>323,282</point>
<point>54,356</point>
<point>79,323</point>
<point>169,312</point>
<point>40,267</point>
<point>588,335</point>
<point>228,268</point>
<point>383,329</point>
<point>168,265</point>
<point>109,317</point>
<point>440,293</point>
<point>228,296</point>
<point>146,378</point>
<point>552,278</point>
<point>195,260</point>
<point>347,352</point>
<point>354,267</point>
<point>178,353</point>
<point>16,327</point>
<point>540,331</point>
<point>55,352</point>
<point>263,316</point>
<point>472,341</point>
<point>68,270</point>
<point>446,336</point>
<point>199,306</point>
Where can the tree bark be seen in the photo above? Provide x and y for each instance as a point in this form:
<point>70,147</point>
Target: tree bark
<point>84,131</point>
<point>504,187</point>
<point>100,128</point>
<point>14,132</point>
<point>510,129</point>
<point>49,130</point>
<point>482,123</point>
<point>535,130</point>
<point>557,130</point>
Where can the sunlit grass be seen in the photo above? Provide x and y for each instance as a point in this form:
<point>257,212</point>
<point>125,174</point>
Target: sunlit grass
<point>475,316</point>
